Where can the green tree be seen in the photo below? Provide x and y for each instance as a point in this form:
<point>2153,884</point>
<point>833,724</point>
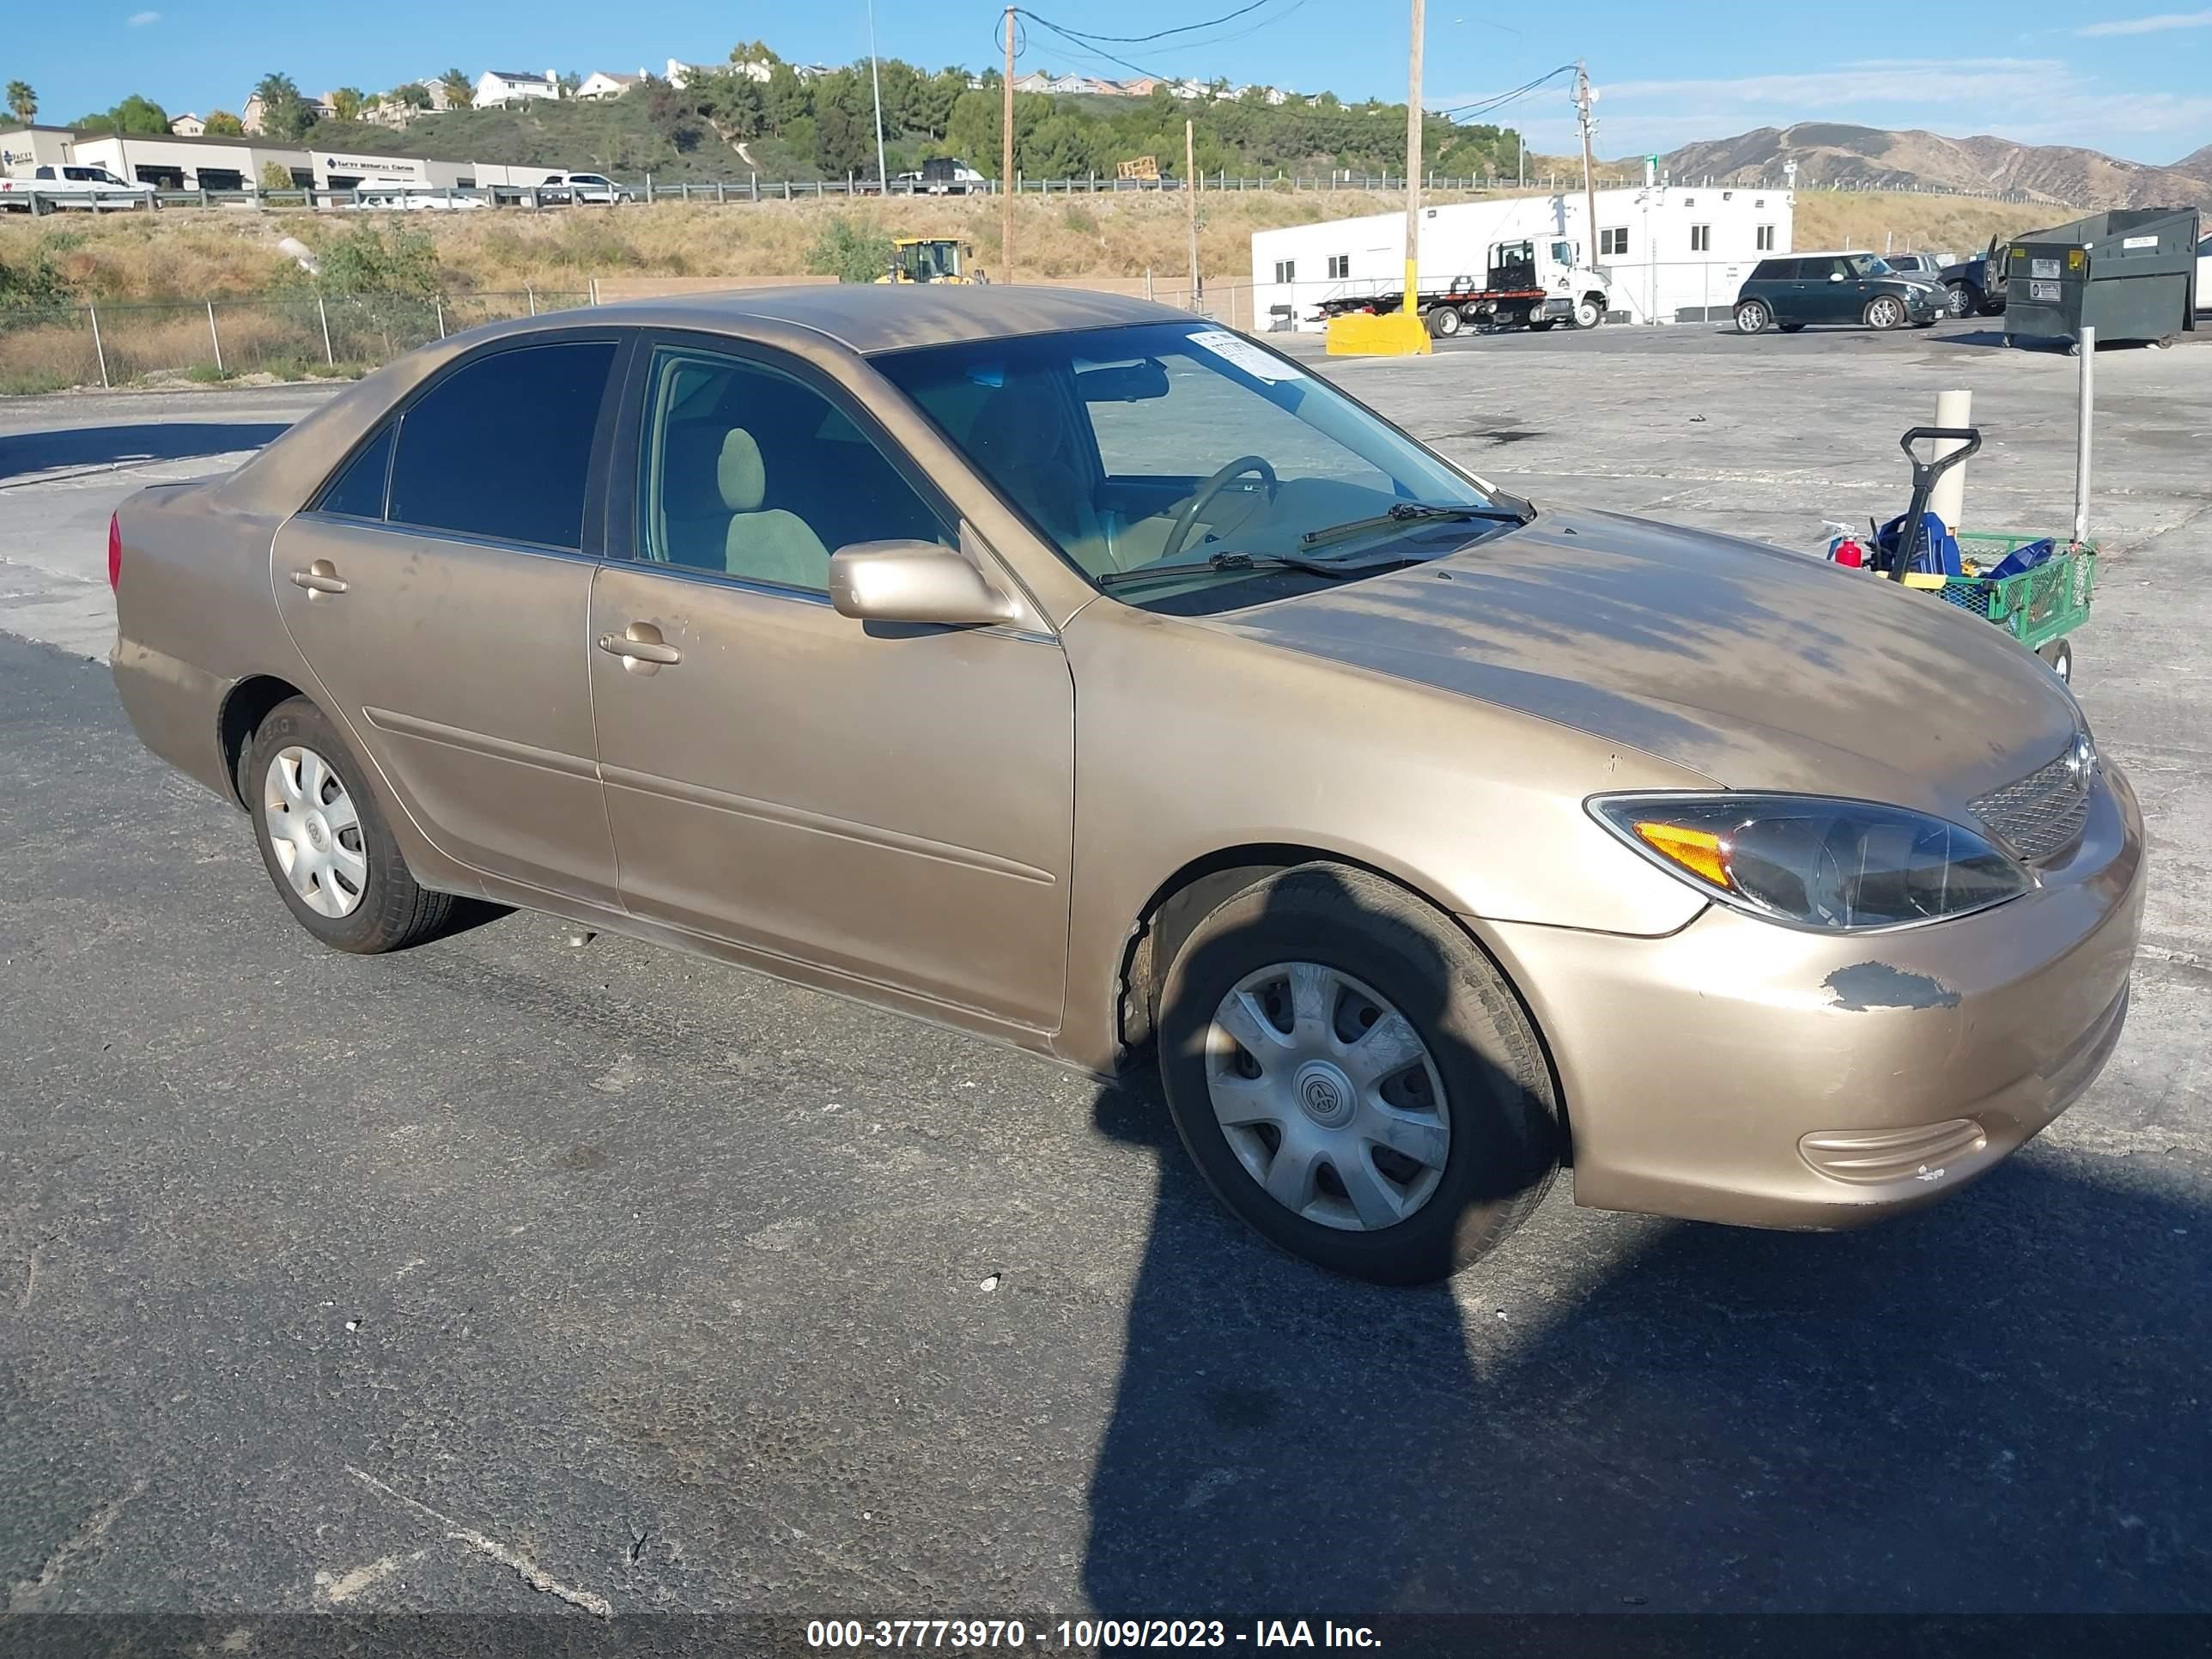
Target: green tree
<point>844,124</point>
<point>460,91</point>
<point>851,250</point>
<point>284,113</point>
<point>413,94</point>
<point>971,131</point>
<point>137,113</point>
<point>568,80</point>
<point>788,99</point>
<point>23,102</point>
<point>346,104</point>
<point>275,175</point>
<point>221,124</point>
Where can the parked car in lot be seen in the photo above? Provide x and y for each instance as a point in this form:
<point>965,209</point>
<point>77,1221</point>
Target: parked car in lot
<point>49,189</point>
<point>1070,670</point>
<point>1976,286</point>
<point>587,188</point>
<point>1917,264</point>
<point>409,196</point>
<point>1791,291</point>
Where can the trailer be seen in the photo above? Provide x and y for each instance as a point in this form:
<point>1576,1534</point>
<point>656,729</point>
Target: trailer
<point>1658,253</point>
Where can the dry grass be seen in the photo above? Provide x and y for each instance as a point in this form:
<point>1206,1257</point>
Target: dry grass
<point>1959,225</point>
<point>174,255</point>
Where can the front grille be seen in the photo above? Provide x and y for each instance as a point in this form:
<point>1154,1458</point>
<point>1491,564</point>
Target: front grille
<point>2041,815</point>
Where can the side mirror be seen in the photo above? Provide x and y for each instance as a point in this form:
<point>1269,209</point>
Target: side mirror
<point>913,582</point>
<point>1835,275</point>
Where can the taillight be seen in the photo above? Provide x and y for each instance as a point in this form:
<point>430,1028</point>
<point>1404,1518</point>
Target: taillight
<point>114,551</point>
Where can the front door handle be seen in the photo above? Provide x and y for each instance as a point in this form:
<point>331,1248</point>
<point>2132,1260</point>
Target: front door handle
<point>320,577</point>
<point>641,648</point>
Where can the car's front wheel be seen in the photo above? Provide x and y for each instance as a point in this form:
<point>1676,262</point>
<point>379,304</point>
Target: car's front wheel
<point>325,841</point>
<point>1885,312</point>
<point>1355,1079</point>
<point>1752,317</point>
<point>1962,299</point>
<point>1588,314</point>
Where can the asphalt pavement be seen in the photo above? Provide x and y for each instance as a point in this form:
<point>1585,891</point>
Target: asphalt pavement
<point>506,1276</point>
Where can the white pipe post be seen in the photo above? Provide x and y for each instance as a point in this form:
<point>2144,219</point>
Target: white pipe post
<point>2085,411</point>
<point>1949,502</point>
<point>323,315</point>
<point>99,349</point>
<point>214,338</point>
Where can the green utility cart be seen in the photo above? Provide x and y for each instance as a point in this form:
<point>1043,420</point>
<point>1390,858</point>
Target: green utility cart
<point>2040,607</point>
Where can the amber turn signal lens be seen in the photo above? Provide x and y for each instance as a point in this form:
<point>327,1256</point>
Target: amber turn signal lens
<point>1697,851</point>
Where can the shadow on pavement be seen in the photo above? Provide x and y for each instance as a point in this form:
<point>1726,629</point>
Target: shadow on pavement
<point>1996,1404</point>
<point>152,440</point>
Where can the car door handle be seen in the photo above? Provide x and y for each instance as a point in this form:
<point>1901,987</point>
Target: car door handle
<point>320,577</point>
<point>641,648</point>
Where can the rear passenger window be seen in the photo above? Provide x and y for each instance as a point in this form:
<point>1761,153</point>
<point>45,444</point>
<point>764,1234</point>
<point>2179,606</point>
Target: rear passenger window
<point>502,447</point>
<point>358,492</point>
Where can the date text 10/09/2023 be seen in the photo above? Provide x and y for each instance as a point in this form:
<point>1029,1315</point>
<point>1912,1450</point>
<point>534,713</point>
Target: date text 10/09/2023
<point>1084,1635</point>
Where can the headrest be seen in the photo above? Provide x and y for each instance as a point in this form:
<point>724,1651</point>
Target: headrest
<point>742,479</point>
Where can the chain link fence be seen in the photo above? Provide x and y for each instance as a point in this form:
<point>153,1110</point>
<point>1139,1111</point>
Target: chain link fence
<point>52,349</point>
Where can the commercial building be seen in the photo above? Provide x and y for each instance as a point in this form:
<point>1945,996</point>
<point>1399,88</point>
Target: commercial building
<point>169,162</point>
<point>1667,253</point>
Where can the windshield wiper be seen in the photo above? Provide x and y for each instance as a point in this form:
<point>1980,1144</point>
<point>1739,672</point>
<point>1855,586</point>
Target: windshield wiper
<point>1407,513</point>
<point>1230,561</point>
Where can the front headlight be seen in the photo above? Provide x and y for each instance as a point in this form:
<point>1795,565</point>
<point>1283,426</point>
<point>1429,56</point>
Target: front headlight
<point>1807,861</point>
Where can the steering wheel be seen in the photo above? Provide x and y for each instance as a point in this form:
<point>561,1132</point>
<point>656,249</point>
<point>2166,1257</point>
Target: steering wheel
<point>1213,486</point>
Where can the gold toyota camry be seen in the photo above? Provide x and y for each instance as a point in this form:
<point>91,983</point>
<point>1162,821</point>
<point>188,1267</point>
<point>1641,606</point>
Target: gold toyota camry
<point>1078,673</point>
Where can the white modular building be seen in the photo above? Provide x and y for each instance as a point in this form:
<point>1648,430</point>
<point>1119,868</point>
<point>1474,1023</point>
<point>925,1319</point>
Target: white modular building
<point>1668,253</point>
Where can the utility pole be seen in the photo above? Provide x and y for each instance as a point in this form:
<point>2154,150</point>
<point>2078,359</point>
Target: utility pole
<point>1583,98</point>
<point>1006,162</point>
<point>1190,201</point>
<point>1413,161</point>
<point>875,74</point>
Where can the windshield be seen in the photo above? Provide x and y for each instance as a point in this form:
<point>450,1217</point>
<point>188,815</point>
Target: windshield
<point>1172,443</point>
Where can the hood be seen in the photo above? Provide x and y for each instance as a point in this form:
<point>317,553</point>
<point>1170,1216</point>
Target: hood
<point>1757,668</point>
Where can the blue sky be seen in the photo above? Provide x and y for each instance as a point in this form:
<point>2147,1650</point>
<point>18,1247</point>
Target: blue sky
<point>2113,75</point>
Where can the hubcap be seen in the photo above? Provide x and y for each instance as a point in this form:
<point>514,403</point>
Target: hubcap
<point>1327,1096</point>
<point>315,831</point>
<point>1885,313</point>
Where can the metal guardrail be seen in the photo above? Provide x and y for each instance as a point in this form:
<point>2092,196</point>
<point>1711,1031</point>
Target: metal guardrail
<point>753,188</point>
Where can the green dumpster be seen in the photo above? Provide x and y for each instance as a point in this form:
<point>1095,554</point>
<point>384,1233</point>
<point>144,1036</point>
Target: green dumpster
<point>2130,275</point>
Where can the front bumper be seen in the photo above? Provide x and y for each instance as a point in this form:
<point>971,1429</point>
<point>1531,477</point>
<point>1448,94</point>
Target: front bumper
<point>1739,1071</point>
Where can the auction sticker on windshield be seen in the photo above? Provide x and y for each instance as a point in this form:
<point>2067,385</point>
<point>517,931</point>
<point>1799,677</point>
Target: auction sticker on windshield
<point>1245,355</point>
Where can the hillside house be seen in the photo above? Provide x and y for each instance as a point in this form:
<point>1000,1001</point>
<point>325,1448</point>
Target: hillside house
<point>496,87</point>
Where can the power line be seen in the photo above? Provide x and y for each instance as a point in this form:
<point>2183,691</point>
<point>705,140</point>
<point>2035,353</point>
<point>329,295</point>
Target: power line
<point>1484,106</point>
<point>1162,35</point>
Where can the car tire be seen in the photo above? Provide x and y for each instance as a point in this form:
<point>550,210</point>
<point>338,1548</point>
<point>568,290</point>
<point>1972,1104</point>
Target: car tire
<point>2058,656</point>
<point>1325,956</point>
<point>1792,328</point>
<point>310,807</point>
<point>1752,317</point>
<point>1588,313</point>
<point>1883,312</point>
<point>1964,301</point>
<point>1444,321</point>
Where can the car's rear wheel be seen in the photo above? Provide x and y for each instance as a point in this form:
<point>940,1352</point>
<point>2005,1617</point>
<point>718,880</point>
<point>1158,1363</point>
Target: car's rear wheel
<point>1355,1079</point>
<point>1792,328</point>
<point>325,841</point>
<point>1885,312</point>
<point>1752,317</point>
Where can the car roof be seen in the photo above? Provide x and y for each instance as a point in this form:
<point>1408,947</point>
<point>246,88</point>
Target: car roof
<point>868,317</point>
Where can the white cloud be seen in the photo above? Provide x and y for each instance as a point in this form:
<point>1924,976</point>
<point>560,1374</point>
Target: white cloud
<point>2157,25</point>
<point>140,19</point>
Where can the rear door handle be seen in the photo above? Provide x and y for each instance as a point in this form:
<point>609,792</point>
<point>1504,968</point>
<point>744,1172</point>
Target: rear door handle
<point>641,648</point>
<point>320,577</point>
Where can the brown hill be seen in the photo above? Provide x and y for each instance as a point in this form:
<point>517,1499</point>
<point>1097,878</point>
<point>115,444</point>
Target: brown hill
<point>1832,153</point>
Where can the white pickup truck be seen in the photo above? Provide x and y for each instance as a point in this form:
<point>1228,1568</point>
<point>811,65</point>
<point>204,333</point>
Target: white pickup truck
<point>49,188</point>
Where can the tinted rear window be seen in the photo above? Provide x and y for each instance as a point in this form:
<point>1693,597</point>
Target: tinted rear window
<point>358,492</point>
<point>1775,270</point>
<point>501,446</point>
